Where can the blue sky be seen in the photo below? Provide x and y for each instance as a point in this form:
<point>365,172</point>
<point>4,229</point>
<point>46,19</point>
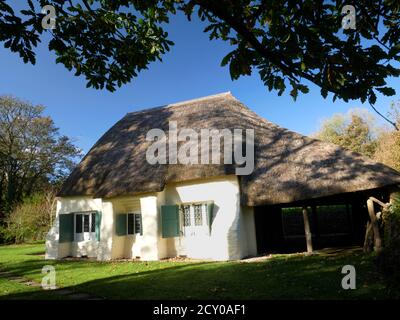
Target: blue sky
<point>190,70</point>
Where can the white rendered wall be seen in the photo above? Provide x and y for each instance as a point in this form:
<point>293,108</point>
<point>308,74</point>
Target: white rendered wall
<point>151,232</point>
<point>128,246</point>
<point>56,250</point>
<point>110,246</point>
<point>228,239</point>
<point>149,245</point>
<point>232,235</point>
<point>106,231</point>
<point>250,230</point>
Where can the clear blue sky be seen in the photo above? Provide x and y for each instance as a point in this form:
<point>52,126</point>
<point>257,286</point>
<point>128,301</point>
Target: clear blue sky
<point>190,70</point>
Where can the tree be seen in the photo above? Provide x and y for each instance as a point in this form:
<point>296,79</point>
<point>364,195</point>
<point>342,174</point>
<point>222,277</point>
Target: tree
<point>354,130</point>
<point>289,43</point>
<point>33,155</point>
<point>388,147</point>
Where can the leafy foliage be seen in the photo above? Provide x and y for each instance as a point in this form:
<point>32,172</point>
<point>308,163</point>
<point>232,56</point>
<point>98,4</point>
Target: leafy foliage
<point>355,131</point>
<point>19,35</point>
<point>109,43</point>
<point>33,155</point>
<point>389,258</point>
<point>388,148</point>
<point>30,220</point>
<point>287,42</point>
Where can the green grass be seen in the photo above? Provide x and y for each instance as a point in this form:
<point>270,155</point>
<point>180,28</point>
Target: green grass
<point>281,277</point>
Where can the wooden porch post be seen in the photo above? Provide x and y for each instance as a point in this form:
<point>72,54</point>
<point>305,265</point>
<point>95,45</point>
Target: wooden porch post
<point>375,227</point>
<point>369,238</point>
<point>307,230</point>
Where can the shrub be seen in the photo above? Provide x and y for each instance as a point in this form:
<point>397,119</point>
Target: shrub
<point>389,258</point>
<point>31,220</point>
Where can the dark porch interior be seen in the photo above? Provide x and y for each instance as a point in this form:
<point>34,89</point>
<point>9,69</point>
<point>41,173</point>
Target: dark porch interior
<point>334,221</point>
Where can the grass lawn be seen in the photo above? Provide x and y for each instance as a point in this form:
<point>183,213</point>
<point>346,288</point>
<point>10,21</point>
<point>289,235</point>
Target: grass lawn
<point>280,277</point>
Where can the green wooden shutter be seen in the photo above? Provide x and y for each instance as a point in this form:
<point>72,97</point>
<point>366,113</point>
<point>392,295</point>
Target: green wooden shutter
<point>210,215</point>
<point>98,224</point>
<point>120,224</point>
<point>170,221</point>
<point>66,230</point>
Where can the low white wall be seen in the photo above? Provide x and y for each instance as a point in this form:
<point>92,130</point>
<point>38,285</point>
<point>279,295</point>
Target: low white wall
<point>228,238</point>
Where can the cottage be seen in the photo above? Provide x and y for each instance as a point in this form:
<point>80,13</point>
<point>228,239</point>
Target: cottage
<point>116,204</point>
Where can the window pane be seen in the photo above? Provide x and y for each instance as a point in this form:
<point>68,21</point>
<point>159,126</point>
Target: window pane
<point>86,223</point>
<point>138,223</point>
<point>93,223</point>
<point>186,216</point>
<point>78,223</point>
<point>198,217</point>
<point>130,223</point>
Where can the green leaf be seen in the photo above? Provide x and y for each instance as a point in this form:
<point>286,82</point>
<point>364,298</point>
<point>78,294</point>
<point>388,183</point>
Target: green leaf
<point>324,93</point>
<point>303,88</point>
<point>226,59</point>
<point>387,91</point>
<point>294,93</point>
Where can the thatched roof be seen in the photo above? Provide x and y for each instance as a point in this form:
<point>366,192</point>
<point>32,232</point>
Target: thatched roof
<point>288,166</point>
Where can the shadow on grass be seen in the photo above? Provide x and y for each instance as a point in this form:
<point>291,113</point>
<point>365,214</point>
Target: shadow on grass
<point>283,277</point>
<point>118,286</point>
<point>39,253</point>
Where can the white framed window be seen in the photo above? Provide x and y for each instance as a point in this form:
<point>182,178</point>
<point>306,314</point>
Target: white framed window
<point>85,226</point>
<point>194,219</point>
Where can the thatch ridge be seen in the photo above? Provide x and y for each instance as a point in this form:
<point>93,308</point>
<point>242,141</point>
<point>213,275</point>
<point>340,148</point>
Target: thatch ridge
<point>288,166</point>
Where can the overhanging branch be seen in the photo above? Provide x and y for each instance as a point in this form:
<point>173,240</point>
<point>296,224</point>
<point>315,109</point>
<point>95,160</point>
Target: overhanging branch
<point>385,118</point>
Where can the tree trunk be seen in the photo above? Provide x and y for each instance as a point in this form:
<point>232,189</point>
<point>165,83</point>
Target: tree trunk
<point>307,231</point>
<point>375,226</point>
